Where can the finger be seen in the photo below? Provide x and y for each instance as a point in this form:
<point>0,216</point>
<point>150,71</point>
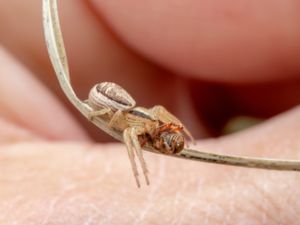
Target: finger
<point>27,103</point>
<point>270,138</point>
<point>217,40</point>
<point>82,184</point>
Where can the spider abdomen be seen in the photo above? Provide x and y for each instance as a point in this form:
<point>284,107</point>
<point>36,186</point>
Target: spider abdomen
<point>111,95</point>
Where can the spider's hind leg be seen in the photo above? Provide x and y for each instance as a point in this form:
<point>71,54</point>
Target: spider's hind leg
<point>117,116</point>
<point>96,112</point>
<point>100,112</point>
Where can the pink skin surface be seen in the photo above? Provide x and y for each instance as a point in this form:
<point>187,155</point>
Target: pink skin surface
<point>203,60</point>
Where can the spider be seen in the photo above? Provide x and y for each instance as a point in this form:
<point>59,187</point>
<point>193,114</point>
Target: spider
<point>140,126</point>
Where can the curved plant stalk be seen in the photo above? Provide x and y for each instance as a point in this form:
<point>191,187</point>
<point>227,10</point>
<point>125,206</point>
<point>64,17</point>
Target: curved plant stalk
<point>59,60</point>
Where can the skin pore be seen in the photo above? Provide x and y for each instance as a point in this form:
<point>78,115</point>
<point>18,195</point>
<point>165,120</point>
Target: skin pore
<point>52,172</point>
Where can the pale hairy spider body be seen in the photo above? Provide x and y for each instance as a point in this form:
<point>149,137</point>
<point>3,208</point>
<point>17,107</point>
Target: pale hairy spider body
<point>108,98</point>
<point>155,126</point>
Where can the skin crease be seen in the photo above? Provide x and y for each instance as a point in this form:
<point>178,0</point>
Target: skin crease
<point>47,182</point>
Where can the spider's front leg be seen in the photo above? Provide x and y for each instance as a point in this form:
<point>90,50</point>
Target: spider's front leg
<point>133,145</point>
<point>165,116</point>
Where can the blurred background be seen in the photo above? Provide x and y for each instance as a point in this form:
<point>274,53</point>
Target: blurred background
<point>217,69</point>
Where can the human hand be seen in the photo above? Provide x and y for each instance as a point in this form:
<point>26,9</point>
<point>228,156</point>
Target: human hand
<point>81,178</point>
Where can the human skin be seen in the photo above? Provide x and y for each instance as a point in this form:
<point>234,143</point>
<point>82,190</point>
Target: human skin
<point>54,174</point>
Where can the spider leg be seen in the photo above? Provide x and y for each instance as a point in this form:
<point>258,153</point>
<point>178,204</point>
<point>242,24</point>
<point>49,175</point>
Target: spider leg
<point>115,118</point>
<point>100,112</point>
<point>130,150</point>
<point>165,116</point>
<point>134,132</point>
